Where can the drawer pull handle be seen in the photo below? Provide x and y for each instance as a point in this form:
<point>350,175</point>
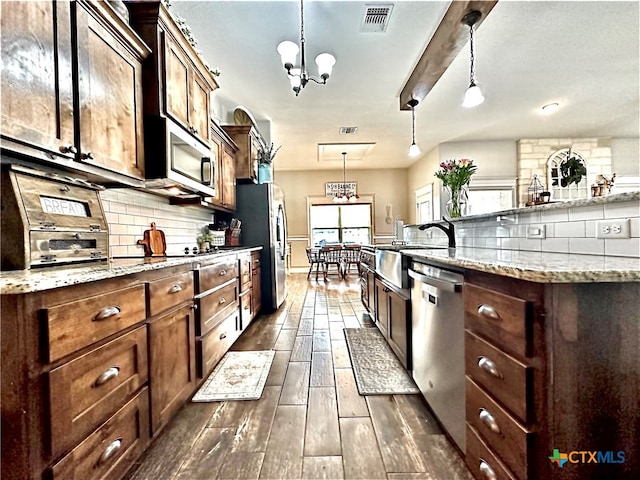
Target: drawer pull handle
<point>113,448</point>
<point>223,273</point>
<point>106,312</point>
<point>489,312</point>
<point>107,375</point>
<point>486,471</point>
<point>487,365</point>
<point>489,421</point>
<point>223,336</point>
<point>223,301</point>
<point>176,288</point>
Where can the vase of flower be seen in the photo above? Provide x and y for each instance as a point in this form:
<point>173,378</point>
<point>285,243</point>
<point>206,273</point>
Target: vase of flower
<point>457,204</point>
<point>456,175</point>
<point>265,163</point>
<point>264,173</point>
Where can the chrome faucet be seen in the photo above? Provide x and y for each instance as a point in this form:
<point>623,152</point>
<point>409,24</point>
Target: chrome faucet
<point>450,231</point>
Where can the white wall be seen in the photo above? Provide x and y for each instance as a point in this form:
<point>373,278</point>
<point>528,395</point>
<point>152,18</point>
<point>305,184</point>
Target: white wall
<point>625,157</point>
<point>493,158</point>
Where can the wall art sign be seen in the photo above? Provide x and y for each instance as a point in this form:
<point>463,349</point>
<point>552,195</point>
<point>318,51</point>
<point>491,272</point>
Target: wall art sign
<point>333,189</point>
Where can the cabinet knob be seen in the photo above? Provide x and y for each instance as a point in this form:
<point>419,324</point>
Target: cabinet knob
<point>109,374</point>
<point>87,156</point>
<point>223,336</point>
<point>111,450</point>
<point>489,312</point>
<point>68,149</point>
<point>176,288</point>
<point>222,273</point>
<point>106,312</point>
<point>489,366</point>
<point>223,301</point>
<point>489,421</point>
<point>486,471</point>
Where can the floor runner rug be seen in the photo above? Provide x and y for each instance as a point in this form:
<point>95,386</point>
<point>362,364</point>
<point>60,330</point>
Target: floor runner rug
<point>376,368</point>
<point>238,376</point>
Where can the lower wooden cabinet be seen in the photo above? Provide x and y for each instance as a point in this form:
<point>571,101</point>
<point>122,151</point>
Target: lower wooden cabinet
<point>393,317</point>
<point>113,448</point>
<point>212,347</point>
<point>172,363</point>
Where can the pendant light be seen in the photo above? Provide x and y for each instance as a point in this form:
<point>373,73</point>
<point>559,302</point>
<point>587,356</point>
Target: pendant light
<point>344,196</point>
<point>414,150</point>
<point>298,75</point>
<point>473,96</point>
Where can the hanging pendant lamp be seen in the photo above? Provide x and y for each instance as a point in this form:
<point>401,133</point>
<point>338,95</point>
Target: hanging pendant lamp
<point>473,96</point>
<point>414,150</point>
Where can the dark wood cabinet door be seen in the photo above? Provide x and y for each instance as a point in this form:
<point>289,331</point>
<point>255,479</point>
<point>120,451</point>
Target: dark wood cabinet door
<point>399,327</point>
<point>256,292</point>
<point>110,97</point>
<point>37,87</point>
<point>382,307</point>
<point>199,107</point>
<point>228,179</point>
<point>172,367</point>
<point>177,82</point>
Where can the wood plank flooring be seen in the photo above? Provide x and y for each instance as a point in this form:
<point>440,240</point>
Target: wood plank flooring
<point>310,422</point>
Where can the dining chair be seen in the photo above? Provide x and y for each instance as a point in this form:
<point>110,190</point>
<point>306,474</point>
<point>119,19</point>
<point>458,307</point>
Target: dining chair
<point>350,256</point>
<point>313,255</point>
<point>331,255</point>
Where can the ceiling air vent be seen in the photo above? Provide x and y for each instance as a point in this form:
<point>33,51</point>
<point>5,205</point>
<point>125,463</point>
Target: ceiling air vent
<point>376,18</point>
<point>348,130</point>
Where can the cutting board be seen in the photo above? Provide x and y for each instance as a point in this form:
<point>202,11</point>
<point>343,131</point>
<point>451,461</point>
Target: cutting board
<point>153,242</point>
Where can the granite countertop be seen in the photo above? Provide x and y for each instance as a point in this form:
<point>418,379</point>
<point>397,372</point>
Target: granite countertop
<point>536,266</point>
<point>47,278</point>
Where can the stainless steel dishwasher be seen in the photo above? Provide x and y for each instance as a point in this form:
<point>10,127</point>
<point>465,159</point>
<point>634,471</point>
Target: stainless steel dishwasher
<point>437,328</point>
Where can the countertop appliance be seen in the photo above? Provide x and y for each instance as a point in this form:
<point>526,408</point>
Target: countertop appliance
<point>49,219</point>
<point>261,209</point>
<point>437,326</point>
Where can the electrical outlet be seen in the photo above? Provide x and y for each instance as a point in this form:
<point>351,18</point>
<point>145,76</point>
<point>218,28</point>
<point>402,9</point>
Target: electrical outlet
<point>536,231</point>
<point>618,228</point>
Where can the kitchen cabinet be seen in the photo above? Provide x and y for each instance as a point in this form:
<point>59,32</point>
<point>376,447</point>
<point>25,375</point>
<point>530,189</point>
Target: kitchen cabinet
<point>547,367</point>
<point>226,167</point>
<point>249,142</point>
<point>74,380</point>
<point>256,288</point>
<point>393,317</point>
<point>171,342</point>
<point>72,88</point>
<point>178,84</point>
<point>218,322</point>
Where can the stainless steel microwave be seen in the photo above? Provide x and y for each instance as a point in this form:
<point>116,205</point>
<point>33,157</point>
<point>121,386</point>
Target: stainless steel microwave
<point>187,161</point>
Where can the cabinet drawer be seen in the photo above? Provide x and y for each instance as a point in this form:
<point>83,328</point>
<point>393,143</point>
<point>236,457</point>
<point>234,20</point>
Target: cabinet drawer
<point>78,324</point>
<point>501,432</point>
<point>217,274</point>
<point>85,391</point>
<point>482,461</point>
<point>170,292</point>
<point>212,347</point>
<point>211,306</point>
<point>506,320</point>
<point>111,450</point>
<point>504,377</point>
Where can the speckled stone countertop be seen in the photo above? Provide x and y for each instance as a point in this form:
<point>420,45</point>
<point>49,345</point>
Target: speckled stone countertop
<point>536,266</point>
<point>47,278</point>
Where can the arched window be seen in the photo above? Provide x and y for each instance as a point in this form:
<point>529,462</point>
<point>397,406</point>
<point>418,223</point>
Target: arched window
<point>555,177</point>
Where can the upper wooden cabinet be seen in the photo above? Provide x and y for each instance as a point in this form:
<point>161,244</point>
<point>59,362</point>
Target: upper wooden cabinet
<point>249,143</point>
<point>71,88</point>
<point>226,167</point>
<point>177,82</point>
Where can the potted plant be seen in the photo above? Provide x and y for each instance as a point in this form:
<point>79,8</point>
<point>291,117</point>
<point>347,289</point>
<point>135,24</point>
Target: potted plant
<point>572,170</point>
<point>265,161</point>
<point>204,239</point>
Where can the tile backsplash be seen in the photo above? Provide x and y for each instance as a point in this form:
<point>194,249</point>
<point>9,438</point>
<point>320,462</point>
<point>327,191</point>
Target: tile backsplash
<point>130,212</point>
<point>570,229</point>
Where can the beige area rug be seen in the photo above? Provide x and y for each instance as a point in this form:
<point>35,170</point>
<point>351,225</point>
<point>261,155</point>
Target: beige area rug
<point>238,376</point>
<point>376,368</point>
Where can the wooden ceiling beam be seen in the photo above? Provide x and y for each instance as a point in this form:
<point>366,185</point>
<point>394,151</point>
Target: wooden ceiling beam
<point>447,41</point>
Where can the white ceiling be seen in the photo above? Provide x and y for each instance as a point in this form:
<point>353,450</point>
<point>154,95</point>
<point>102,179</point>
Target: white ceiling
<point>582,54</point>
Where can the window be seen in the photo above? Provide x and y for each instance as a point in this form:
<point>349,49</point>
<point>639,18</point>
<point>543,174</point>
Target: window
<point>488,195</point>
<point>424,204</point>
<point>572,191</point>
<point>340,224</point>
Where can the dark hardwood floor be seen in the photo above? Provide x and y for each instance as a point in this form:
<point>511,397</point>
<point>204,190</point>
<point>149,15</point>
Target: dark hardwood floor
<point>310,421</point>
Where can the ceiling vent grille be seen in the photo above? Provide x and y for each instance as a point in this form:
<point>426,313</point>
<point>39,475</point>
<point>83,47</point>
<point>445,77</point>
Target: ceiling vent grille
<point>348,130</point>
<point>376,18</point>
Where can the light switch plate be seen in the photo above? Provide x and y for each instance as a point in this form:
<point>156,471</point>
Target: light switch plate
<point>536,231</point>
<point>618,228</point>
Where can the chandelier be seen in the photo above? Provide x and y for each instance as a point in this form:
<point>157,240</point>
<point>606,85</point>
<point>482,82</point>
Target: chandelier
<point>298,75</point>
<point>345,197</point>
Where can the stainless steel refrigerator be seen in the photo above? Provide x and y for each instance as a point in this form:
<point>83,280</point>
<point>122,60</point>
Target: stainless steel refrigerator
<point>261,210</point>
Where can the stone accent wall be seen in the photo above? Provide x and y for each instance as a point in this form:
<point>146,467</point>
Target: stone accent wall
<point>533,155</point>
<point>130,212</point>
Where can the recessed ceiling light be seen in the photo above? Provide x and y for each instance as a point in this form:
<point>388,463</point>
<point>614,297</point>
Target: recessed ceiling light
<point>550,108</point>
